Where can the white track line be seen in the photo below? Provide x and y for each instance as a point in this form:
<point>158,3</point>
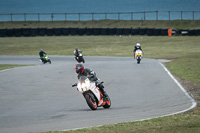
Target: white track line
<point>194,104</point>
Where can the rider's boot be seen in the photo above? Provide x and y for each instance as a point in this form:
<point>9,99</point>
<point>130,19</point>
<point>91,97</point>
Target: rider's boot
<point>101,87</point>
<point>104,93</point>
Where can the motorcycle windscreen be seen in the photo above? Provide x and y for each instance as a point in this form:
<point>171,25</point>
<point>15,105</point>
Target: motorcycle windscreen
<point>83,84</point>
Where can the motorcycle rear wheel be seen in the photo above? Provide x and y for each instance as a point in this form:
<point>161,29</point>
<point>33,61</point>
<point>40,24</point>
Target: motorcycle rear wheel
<point>91,101</point>
<point>81,59</point>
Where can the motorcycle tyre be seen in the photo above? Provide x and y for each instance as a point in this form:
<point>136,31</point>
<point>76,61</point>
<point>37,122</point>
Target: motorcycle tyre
<point>92,103</point>
<point>138,61</point>
<point>81,59</point>
<point>49,61</point>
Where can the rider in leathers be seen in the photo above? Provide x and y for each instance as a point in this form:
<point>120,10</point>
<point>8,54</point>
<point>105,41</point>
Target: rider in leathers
<point>76,52</point>
<point>137,46</point>
<point>41,54</point>
<point>81,71</point>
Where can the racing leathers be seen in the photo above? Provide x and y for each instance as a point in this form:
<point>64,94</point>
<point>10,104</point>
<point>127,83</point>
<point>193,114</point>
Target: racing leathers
<point>76,52</point>
<point>41,54</point>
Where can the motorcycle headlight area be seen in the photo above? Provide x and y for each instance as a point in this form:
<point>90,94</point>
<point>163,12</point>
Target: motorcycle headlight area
<point>85,86</point>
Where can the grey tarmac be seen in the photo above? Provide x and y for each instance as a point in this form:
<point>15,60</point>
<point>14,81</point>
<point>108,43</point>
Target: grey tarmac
<point>40,97</point>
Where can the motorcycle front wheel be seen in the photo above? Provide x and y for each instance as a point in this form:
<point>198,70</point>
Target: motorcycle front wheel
<point>138,61</point>
<point>83,60</point>
<point>91,101</point>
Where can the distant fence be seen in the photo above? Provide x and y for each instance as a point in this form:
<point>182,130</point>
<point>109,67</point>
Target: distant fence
<point>31,32</point>
<point>146,15</point>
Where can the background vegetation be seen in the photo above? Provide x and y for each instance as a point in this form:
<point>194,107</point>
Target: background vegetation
<point>174,24</point>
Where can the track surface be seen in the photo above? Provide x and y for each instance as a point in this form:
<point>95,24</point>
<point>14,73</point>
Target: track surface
<point>40,98</point>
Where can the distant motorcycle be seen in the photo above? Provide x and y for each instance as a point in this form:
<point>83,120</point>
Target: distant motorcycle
<point>80,58</point>
<point>45,59</point>
<point>138,55</point>
<point>92,93</point>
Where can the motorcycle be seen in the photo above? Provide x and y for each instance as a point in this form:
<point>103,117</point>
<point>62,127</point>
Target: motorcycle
<point>138,55</point>
<point>80,58</point>
<point>45,59</point>
<point>92,94</point>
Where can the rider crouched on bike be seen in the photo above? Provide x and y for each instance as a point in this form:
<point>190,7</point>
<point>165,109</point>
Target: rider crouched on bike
<point>81,71</point>
<point>41,54</point>
<point>76,52</point>
<point>137,46</point>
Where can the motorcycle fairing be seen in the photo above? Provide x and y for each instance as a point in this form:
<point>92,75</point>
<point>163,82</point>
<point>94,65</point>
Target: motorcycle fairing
<point>84,84</point>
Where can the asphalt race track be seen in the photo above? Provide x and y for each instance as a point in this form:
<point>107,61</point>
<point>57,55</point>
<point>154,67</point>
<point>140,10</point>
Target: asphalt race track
<point>40,98</point>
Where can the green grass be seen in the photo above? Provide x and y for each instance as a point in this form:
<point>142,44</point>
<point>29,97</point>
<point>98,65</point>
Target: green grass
<point>154,47</point>
<point>3,66</point>
<point>174,24</point>
<point>186,68</point>
<point>183,50</point>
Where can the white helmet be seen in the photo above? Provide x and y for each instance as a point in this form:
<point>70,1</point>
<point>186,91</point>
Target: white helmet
<point>137,44</point>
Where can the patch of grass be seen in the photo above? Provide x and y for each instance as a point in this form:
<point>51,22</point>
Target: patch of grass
<point>174,24</point>
<point>154,47</point>
<point>186,68</point>
<point>4,66</point>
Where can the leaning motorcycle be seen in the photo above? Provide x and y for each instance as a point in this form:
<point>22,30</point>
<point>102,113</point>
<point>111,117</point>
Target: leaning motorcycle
<point>92,94</point>
<point>80,58</point>
<point>45,59</point>
<point>138,55</point>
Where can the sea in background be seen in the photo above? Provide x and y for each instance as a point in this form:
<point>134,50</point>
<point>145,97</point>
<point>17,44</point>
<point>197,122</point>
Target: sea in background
<point>97,6</point>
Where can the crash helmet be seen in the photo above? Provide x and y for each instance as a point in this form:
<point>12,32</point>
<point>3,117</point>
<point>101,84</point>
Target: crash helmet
<point>138,44</point>
<point>76,49</point>
<point>41,50</point>
<point>79,68</point>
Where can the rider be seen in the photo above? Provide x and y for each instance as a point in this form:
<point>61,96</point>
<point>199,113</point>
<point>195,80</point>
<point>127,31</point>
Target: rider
<point>76,52</point>
<point>137,46</point>
<point>41,54</point>
<point>81,71</point>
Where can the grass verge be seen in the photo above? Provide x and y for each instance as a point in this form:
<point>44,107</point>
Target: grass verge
<point>174,24</point>
<point>3,66</point>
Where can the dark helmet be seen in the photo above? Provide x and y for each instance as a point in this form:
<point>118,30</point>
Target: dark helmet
<point>79,68</point>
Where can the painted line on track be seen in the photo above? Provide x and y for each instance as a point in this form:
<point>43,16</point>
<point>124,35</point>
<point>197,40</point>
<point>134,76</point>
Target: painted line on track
<point>194,104</point>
